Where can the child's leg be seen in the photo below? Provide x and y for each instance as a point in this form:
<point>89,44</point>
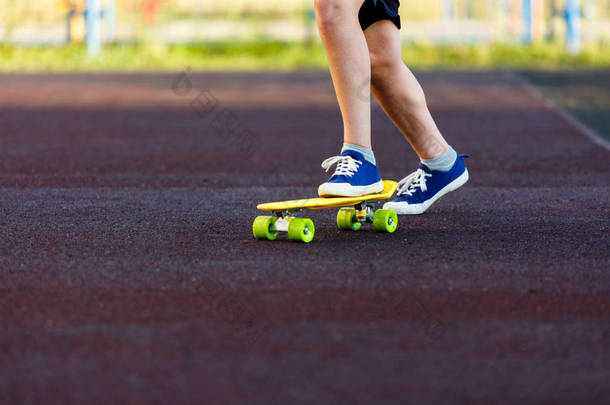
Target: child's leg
<point>399,93</point>
<point>441,170</point>
<point>350,67</point>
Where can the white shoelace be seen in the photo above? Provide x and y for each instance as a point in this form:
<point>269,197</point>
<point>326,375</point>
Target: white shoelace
<point>346,165</point>
<point>415,180</point>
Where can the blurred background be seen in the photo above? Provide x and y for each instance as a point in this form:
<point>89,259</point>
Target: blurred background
<point>255,34</point>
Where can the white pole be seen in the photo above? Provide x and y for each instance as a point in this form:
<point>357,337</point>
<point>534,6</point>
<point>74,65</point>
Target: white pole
<point>93,27</point>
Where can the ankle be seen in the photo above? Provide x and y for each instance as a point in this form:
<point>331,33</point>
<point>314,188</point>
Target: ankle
<point>442,163</point>
<point>366,152</point>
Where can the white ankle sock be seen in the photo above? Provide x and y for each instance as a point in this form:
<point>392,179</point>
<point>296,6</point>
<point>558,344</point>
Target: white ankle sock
<point>368,153</point>
<point>442,163</point>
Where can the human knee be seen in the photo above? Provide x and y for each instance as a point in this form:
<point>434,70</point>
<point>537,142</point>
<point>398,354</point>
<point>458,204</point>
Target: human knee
<point>388,73</point>
<point>384,66</point>
<point>330,14</point>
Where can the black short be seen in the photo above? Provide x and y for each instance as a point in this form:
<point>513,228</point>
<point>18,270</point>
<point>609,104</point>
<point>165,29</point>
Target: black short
<point>376,10</point>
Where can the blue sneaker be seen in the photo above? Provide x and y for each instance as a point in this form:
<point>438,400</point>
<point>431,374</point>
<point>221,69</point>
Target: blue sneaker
<point>353,177</point>
<point>419,190</point>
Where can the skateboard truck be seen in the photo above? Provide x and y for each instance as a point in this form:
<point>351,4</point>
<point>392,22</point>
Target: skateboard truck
<point>282,222</point>
<point>365,211</point>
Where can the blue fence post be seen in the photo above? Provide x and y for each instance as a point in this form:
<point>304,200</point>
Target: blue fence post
<point>310,22</point>
<point>69,16</point>
<point>93,27</point>
<point>573,25</point>
<point>528,21</point>
<point>110,20</point>
<point>448,9</point>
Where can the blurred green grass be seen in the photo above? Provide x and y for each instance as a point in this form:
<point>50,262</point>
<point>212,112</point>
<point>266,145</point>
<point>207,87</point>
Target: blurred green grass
<point>276,55</point>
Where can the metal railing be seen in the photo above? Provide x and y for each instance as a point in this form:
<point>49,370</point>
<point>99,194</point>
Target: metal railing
<point>445,21</point>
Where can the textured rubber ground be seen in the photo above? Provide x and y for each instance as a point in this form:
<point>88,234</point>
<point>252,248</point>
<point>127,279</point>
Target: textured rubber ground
<point>129,274</point>
<point>585,94</point>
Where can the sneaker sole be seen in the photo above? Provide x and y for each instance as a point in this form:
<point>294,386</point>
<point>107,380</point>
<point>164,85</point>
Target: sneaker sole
<point>346,190</point>
<point>402,208</point>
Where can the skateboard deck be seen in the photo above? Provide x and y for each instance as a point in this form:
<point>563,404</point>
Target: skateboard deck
<point>354,212</point>
<point>330,202</point>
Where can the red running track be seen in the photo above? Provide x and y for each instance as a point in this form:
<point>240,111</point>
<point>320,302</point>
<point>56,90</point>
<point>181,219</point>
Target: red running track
<point>128,272</point>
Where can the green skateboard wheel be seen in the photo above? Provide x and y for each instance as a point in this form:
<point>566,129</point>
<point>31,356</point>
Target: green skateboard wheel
<point>264,228</point>
<point>301,230</point>
<point>347,219</point>
<point>385,221</point>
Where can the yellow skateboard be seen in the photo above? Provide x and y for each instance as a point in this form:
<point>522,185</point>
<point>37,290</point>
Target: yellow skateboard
<point>354,212</point>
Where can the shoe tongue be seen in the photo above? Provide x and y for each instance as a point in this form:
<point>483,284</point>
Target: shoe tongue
<point>353,154</point>
<point>424,167</point>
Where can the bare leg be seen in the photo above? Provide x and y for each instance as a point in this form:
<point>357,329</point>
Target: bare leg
<point>350,66</point>
<point>399,93</point>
